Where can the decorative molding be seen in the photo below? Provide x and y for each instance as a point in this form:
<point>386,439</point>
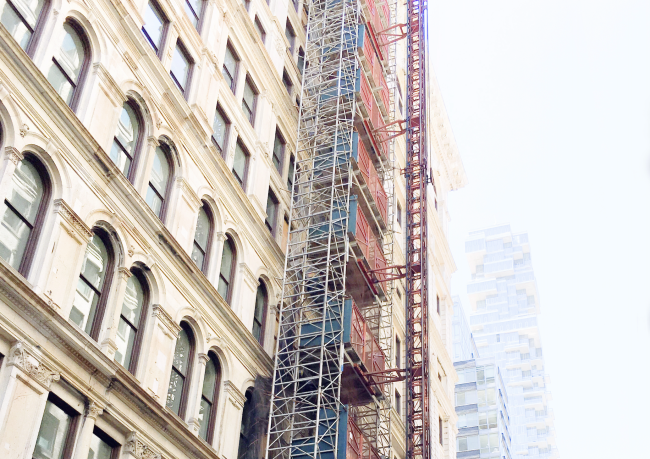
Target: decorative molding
<point>203,359</point>
<point>124,273</point>
<point>111,88</point>
<point>249,276</point>
<point>236,397</point>
<point>13,155</point>
<point>138,449</point>
<point>77,226</point>
<point>192,198</point>
<point>166,320</point>
<point>152,142</point>
<point>93,410</point>
<point>23,130</point>
<point>28,362</point>
<point>280,46</point>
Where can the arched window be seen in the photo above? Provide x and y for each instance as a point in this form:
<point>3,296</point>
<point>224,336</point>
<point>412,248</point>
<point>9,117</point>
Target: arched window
<point>259,317</point>
<point>23,213</point>
<point>159,180</point>
<point>179,383</point>
<point>245,434</point>
<point>227,269</point>
<point>130,330</point>
<point>127,138</point>
<point>22,18</point>
<point>202,238</point>
<point>209,397</point>
<point>93,284</point>
<point>69,63</point>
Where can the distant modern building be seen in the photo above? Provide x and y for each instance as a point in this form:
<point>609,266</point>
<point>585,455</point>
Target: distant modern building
<point>463,340</point>
<point>482,409</point>
<point>504,305</point>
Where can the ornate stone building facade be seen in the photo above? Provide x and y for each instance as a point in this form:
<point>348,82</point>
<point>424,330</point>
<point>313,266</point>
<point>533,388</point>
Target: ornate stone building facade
<point>147,151</point>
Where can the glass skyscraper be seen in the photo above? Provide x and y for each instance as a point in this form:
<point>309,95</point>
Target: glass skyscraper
<point>504,305</point>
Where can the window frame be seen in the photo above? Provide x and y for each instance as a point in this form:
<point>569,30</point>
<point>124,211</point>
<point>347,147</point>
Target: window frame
<point>288,83</point>
<point>301,61</point>
<point>398,352</point>
<point>115,446</point>
<point>290,34</point>
<point>36,32</point>
<point>190,68</point>
<point>245,439</point>
<point>283,148</point>
<point>206,254</point>
<point>104,293</point>
<point>212,416</point>
<point>187,379</point>
<point>77,87</point>
<point>265,307</point>
<point>244,181</point>
<point>158,49</point>
<point>199,15</point>
<point>230,48</point>
<point>73,428</point>
<point>260,28</point>
<point>272,226</point>
<point>139,141</point>
<point>233,265</point>
<point>291,175</point>
<point>140,330</point>
<point>167,149</point>
<point>35,231</point>
<point>222,150</point>
<point>398,402</point>
<point>253,110</point>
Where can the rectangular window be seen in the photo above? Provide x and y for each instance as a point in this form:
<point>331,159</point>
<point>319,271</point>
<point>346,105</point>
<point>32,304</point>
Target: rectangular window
<point>285,232</point>
<point>291,36</point>
<point>278,151</point>
<point>154,26</point>
<point>230,66</point>
<point>240,165</point>
<point>194,10</point>
<point>271,212</point>
<point>249,101</point>
<point>291,173</point>
<point>220,129</point>
<point>398,353</point>
<point>469,443</point>
<point>181,68</point>
<point>438,304</point>
<point>102,446</point>
<point>260,30</point>
<point>440,430</point>
<point>301,60</point>
<point>398,402</point>
<point>58,427</point>
<point>399,214</point>
<point>466,398</point>
<point>288,84</point>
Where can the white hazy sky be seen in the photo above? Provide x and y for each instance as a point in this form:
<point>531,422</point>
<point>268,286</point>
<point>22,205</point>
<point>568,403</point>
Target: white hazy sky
<point>549,102</point>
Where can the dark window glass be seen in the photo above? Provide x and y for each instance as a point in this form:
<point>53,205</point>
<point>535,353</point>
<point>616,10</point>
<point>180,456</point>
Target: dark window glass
<point>194,9</point>
<point>398,402</point>
<point>230,65</point>
<point>290,173</point>
<point>23,213</point>
<point>202,238</point>
<point>55,436</point>
<point>220,127</point>
<point>260,29</point>
<point>260,313</point>
<point>209,397</point>
<point>159,181</point>
<point>249,101</point>
<point>20,17</point>
<point>154,26</point>
<point>288,84</point>
<point>69,63</point>
<point>101,446</point>
<point>246,444</point>
<point>271,211</point>
<point>93,285</point>
<point>226,270</point>
<point>240,164</point>
<point>440,430</point>
<point>438,304</point>
<point>126,139</point>
<point>278,151</point>
<point>291,36</point>
<point>131,326</point>
<point>181,67</point>
<point>399,214</point>
<point>398,353</point>
<point>179,382</point>
<point>301,60</point>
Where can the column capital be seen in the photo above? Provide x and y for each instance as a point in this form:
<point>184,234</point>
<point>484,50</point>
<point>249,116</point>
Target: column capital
<point>30,363</point>
<point>93,410</point>
<point>138,449</point>
<point>124,273</point>
<point>14,155</point>
<point>203,359</point>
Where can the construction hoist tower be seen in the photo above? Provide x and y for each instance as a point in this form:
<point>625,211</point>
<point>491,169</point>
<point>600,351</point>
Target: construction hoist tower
<point>331,384</point>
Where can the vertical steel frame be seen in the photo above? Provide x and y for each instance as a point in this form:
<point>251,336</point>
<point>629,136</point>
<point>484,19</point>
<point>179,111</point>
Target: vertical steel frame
<point>305,406</point>
<point>418,435</point>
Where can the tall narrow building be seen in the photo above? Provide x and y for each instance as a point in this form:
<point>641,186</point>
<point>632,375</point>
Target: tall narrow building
<point>504,307</point>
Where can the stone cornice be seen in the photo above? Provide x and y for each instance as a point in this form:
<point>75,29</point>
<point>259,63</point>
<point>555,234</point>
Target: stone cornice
<point>188,192</point>
<point>21,356</point>
<point>236,396</point>
<point>76,224</point>
<point>172,327</point>
<point>138,448</point>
